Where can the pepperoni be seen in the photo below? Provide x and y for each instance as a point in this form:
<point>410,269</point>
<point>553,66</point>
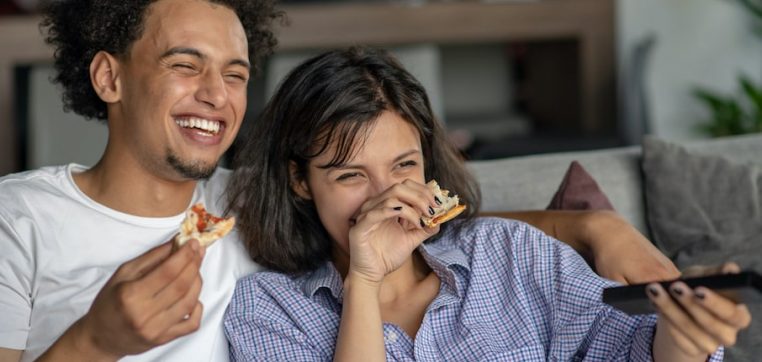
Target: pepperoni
<point>204,218</point>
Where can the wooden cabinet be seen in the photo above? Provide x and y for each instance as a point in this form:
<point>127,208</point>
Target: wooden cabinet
<point>584,26</point>
<point>587,24</point>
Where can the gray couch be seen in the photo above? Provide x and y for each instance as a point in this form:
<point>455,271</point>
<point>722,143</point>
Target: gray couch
<point>529,182</point>
<point>524,183</point>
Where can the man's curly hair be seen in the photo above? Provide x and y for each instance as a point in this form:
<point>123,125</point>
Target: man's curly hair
<point>78,29</point>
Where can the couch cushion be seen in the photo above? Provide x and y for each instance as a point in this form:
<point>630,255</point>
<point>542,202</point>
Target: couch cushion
<point>706,210</point>
<point>703,209</point>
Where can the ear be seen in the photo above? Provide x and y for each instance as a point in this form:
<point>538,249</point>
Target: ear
<point>104,76</point>
<point>297,182</point>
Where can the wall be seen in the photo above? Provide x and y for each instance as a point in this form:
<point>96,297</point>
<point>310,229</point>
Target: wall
<point>698,43</point>
<point>57,137</point>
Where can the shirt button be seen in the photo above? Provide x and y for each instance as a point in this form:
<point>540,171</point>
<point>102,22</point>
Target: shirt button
<point>391,337</point>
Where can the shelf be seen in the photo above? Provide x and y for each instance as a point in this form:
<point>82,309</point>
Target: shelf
<point>590,23</point>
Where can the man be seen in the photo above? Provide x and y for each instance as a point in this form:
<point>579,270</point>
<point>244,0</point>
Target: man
<point>170,78</point>
<point>86,269</point>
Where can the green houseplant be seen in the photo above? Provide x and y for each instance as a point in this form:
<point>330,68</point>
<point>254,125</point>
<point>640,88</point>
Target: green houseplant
<point>737,113</point>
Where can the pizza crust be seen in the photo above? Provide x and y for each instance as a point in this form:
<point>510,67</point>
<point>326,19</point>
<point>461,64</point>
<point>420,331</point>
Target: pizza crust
<point>448,210</point>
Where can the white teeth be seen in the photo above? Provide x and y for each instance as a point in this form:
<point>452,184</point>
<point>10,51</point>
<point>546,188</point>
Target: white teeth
<point>199,123</point>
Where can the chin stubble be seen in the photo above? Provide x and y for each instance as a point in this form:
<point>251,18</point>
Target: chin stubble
<point>195,170</point>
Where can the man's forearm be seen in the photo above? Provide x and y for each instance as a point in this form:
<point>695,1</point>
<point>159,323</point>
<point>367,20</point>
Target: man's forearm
<point>75,345</point>
<point>10,355</point>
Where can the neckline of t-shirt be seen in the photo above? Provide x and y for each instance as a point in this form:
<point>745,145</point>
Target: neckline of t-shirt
<point>151,222</point>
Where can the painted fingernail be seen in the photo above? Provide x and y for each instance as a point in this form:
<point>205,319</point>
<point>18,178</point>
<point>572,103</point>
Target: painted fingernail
<point>439,202</point>
<point>699,294</point>
<point>398,208</point>
<point>423,225</point>
<point>677,290</point>
<point>431,210</point>
<point>653,291</point>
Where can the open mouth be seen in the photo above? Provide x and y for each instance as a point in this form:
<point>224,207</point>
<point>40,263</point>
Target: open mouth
<point>208,126</point>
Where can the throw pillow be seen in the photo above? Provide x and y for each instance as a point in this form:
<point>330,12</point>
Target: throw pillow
<point>579,191</point>
<point>706,210</point>
<point>702,209</point>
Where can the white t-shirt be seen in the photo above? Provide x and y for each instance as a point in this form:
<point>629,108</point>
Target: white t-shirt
<point>58,248</point>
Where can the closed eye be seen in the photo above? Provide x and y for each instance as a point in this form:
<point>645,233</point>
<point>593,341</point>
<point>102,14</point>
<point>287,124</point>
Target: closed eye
<point>408,163</point>
<point>184,67</point>
<point>237,77</point>
<point>347,176</point>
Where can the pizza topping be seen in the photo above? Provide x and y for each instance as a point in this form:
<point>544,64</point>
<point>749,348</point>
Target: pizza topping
<point>204,218</point>
<point>202,226</point>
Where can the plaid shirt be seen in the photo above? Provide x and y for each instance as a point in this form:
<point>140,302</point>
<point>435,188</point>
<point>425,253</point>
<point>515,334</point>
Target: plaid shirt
<point>508,292</point>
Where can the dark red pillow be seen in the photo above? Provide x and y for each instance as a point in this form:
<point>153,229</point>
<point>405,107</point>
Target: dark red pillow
<point>579,191</point>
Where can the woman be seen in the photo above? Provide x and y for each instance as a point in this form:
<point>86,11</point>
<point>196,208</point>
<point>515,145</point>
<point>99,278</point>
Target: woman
<point>351,142</point>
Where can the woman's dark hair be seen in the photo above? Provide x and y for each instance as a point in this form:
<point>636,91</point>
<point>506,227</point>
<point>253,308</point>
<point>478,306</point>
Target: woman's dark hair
<point>333,98</point>
<point>78,29</point>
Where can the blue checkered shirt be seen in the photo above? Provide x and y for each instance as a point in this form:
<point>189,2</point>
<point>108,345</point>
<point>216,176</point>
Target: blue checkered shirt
<point>508,292</point>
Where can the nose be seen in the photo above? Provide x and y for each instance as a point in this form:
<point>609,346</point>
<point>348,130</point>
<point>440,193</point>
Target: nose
<point>380,184</point>
<point>212,90</point>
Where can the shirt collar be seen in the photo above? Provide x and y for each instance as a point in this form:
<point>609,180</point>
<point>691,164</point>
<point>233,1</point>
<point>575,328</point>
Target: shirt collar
<point>445,260</point>
<point>327,277</point>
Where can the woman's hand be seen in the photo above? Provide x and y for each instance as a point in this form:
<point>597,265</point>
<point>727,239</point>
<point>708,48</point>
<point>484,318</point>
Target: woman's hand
<point>693,323</point>
<point>388,229</point>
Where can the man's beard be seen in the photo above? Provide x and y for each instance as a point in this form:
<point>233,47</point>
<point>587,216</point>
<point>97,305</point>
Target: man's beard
<point>194,170</point>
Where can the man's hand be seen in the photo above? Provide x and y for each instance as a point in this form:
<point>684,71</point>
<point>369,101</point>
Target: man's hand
<point>621,253</point>
<point>149,301</point>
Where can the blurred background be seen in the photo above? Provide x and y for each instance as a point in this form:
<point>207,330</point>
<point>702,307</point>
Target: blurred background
<point>507,77</point>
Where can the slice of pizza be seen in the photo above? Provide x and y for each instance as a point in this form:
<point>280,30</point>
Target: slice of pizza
<point>202,226</point>
<point>447,210</point>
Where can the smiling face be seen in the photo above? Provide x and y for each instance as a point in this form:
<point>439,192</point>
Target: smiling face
<point>182,92</point>
<point>390,154</point>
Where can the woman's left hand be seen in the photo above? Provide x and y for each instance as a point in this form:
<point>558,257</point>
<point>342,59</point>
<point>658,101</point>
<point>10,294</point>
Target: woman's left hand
<point>696,321</point>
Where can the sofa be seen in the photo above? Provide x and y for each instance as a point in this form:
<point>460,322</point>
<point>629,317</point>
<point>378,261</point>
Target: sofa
<point>700,202</point>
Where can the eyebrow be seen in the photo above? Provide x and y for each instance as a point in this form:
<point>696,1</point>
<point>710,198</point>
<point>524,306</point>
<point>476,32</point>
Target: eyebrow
<point>196,53</point>
<point>346,166</point>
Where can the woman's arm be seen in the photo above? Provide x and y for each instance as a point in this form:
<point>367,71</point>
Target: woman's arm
<point>609,243</point>
<point>388,230</point>
<point>361,332</point>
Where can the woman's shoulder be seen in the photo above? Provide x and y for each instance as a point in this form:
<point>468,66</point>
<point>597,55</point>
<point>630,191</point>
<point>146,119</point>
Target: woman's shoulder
<point>483,230</point>
<point>263,290</point>
<point>265,282</point>
<point>495,236</point>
